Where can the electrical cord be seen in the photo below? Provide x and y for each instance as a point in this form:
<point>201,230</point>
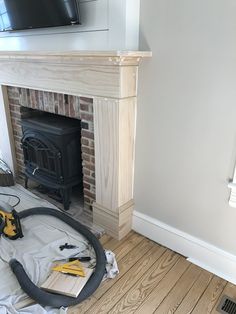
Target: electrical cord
<point>12,195</point>
<point>4,167</point>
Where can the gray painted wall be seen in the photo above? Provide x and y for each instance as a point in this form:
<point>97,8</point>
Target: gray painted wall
<point>186,128</point>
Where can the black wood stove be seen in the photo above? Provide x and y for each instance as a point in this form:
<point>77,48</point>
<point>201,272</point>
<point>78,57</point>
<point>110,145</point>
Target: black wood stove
<point>52,153</point>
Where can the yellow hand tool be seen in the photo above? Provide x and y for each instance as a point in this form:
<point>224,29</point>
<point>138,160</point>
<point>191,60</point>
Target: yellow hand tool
<point>73,268</point>
<point>10,224</point>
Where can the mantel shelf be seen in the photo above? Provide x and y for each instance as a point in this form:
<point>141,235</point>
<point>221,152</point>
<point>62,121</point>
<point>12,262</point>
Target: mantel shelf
<point>80,53</point>
<point>77,57</point>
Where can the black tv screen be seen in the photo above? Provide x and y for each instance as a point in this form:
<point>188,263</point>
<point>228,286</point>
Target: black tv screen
<point>28,14</point>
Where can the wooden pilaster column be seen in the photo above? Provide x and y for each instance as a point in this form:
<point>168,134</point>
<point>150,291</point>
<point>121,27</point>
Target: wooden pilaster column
<point>114,164</point>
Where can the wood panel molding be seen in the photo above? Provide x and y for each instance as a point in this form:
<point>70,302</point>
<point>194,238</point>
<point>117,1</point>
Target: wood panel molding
<point>117,223</point>
<point>110,78</point>
<point>90,74</point>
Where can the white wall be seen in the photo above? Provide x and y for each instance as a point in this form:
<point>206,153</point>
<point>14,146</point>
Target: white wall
<point>186,129</point>
<point>106,25</point>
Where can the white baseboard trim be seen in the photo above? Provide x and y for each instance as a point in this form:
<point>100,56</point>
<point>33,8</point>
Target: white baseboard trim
<point>203,254</point>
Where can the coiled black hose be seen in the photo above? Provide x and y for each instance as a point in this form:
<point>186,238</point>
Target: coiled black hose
<point>55,300</point>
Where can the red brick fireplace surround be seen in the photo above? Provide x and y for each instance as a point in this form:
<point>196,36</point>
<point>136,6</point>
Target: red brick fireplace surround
<point>20,99</point>
<point>100,88</point>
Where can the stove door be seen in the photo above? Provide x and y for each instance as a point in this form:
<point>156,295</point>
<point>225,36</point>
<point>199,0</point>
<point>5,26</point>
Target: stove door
<point>42,158</point>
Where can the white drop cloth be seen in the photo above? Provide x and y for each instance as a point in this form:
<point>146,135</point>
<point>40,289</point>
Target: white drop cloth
<point>40,246</point>
<point>111,267</point>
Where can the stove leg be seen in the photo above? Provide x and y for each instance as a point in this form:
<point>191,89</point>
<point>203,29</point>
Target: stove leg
<point>66,195</point>
<point>26,182</point>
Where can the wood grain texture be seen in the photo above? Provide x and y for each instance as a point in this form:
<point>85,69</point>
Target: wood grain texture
<point>114,155</point>
<point>114,294</point>
<point>65,284</point>
<point>228,290</point>
<point>125,264</point>
<point>45,55</point>
<point>111,74</point>
<point>106,131</point>
<point>210,296</point>
<point>104,239</point>
<point>151,303</point>
<point>114,128</point>
<point>113,243</point>
<point>128,81</point>
<point>114,151</point>
<point>130,250</point>
<point>180,290</point>
<point>126,149</point>
<point>130,242</point>
<point>68,79</point>
<point>145,285</point>
<point>194,293</point>
<point>117,224</point>
<point>175,297</point>
<point>83,307</point>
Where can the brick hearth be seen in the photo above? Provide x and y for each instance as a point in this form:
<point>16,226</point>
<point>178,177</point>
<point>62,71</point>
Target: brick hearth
<point>21,103</point>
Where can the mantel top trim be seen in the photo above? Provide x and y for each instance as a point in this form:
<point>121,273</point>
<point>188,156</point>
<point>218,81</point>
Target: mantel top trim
<point>117,58</point>
<point>76,53</point>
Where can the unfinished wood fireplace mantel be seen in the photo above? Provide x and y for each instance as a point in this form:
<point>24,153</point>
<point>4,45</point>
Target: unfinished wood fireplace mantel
<point>110,78</point>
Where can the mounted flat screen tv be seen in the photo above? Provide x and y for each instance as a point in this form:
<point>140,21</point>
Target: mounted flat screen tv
<point>30,14</point>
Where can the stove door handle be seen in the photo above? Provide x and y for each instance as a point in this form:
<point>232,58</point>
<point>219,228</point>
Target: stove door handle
<point>33,173</point>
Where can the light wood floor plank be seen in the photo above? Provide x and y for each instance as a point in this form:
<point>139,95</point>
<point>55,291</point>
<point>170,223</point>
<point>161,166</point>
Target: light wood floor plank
<point>126,246</point>
<point>125,264</point>
<point>158,294</point>
<point>113,244</point>
<point>176,295</point>
<point>210,296</point>
<point>230,291</point>
<point>183,289</point>
<point>145,285</point>
<point>195,293</point>
<point>105,238</point>
<point>122,286</point>
<point>83,307</point>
